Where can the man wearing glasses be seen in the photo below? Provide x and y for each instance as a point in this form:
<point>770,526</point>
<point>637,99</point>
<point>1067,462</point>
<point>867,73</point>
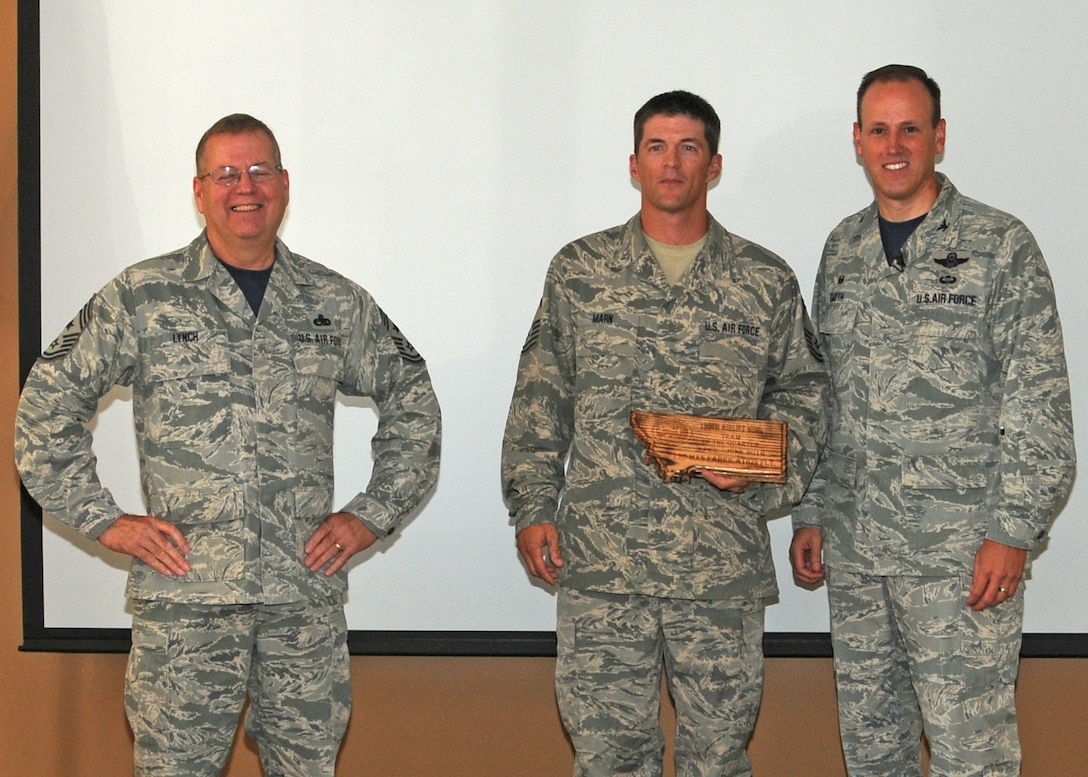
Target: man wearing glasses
<point>235,349</point>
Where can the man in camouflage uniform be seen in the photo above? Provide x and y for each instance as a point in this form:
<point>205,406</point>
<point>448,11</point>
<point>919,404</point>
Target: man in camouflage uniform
<point>668,312</point>
<point>235,349</point>
<point>950,446</point>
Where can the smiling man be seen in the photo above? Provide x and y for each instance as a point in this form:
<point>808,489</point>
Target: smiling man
<point>235,349</point>
<point>668,312</point>
<point>242,201</point>
<point>951,444</point>
<point>898,136</point>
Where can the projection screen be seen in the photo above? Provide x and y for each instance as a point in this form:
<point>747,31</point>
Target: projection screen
<point>440,154</point>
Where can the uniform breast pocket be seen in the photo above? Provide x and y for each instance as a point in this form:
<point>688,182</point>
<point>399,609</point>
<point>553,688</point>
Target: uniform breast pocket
<point>608,347</point>
<point>317,374</point>
<point>838,327</point>
<point>731,373</point>
<point>185,394</point>
<point>317,377</point>
<point>939,379</point>
<point>839,317</point>
<point>838,323</point>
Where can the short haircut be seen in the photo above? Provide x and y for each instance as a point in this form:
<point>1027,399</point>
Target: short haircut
<point>902,73</point>
<point>237,124</point>
<point>680,103</point>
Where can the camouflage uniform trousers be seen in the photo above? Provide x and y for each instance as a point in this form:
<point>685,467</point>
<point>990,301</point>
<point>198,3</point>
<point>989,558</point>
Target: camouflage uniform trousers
<point>191,668</point>
<point>611,648</point>
<point>912,658</point>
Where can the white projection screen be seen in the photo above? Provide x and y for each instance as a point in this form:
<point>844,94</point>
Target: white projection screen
<point>440,154</point>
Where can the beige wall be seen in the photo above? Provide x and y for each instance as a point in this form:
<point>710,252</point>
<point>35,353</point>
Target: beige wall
<point>446,717</point>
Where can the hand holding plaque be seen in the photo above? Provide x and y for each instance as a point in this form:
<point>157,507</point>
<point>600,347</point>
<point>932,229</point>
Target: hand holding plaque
<point>680,446</point>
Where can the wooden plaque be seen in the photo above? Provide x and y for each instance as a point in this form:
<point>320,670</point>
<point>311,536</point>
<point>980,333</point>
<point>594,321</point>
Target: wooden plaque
<point>680,446</point>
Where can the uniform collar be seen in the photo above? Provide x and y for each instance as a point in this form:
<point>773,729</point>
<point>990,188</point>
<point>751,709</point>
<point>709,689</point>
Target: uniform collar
<point>715,259</point>
<point>203,263</point>
<point>939,227</point>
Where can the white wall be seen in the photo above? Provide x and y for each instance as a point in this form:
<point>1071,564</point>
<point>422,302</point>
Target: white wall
<point>440,153</point>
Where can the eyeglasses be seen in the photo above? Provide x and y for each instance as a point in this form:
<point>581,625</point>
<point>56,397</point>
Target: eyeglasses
<point>229,176</point>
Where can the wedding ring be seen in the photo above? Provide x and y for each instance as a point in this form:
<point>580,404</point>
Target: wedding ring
<point>341,547</point>
<point>1002,590</point>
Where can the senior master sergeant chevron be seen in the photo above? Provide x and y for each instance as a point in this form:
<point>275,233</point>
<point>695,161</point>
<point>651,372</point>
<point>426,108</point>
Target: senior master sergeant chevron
<point>951,444</point>
<point>235,349</point>
<point>668,312</point>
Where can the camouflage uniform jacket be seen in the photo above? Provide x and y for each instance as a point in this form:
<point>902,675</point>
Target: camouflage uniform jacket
<point>732,339</point>
<point>234,418</point>
<point>950,417</point>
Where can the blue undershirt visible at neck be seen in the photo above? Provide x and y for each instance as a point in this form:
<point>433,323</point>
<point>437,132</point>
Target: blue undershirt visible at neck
<point>251,282</point>
<point>893,234</point>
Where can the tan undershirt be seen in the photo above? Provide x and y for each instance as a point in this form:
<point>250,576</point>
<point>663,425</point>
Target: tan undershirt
<point>675,260</point>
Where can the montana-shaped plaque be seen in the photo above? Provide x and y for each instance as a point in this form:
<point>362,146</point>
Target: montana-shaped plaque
<point>680,446</point>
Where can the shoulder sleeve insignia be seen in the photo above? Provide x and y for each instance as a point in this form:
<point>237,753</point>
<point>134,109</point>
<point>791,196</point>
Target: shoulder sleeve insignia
<point>404,348</point>
<point>812,342</point>
<point>63,344</point>
<point>533,337</point>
